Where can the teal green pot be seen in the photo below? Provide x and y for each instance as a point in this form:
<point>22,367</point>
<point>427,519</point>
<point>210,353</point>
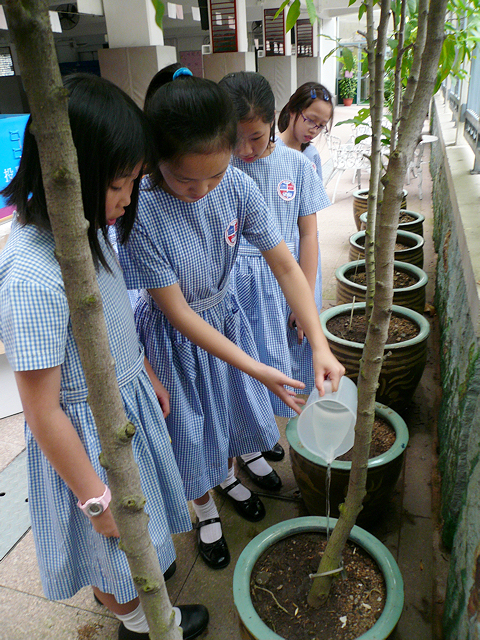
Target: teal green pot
<point>256,629</point>
<point>310,471</point>
<point>414,226</point>
<point>401,371</point>
<point>412,253</point>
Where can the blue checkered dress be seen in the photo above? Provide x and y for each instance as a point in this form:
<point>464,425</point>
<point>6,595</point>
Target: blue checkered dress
<point>216,410</point>
<point>35,327</point>
<point>291,189</point>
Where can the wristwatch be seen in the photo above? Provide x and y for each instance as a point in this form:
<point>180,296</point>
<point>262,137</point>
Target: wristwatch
<point>96,506</point>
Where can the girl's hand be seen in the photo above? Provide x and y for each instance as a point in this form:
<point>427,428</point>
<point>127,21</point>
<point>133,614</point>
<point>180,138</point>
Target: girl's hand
<point>327,366</point>
<point>105,524</point>
<point>293,323</point>
<point>275,381</point>
<point>160,391</point>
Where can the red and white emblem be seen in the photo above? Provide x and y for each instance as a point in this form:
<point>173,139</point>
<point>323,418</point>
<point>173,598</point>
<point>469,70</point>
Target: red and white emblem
<point>231,233</point>
<point>286,190</point>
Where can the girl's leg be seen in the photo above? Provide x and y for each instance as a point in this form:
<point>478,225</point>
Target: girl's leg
<point>260,471</point>
<point>211,543</point>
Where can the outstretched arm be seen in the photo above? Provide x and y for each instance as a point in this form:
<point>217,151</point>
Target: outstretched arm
<point>176,309</point>
<point>300,298</point>
<point>40,392</point>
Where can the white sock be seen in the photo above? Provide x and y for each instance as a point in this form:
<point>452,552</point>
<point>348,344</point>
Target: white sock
<point>239,492</point>
<point>135,621</point>
<point>210,532</point>
<point>260,466</point>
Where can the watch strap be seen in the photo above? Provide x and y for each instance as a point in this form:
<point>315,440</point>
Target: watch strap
<point>103,500</point>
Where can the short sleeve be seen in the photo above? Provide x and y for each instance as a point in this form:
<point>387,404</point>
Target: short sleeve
<point>260,225</point>
<point>314,197</point>
<point>143,263</point>
<point>34,321</point>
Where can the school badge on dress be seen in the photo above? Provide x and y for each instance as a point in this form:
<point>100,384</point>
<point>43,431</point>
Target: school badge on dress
<point>286,190</point>
<point>231,233</point>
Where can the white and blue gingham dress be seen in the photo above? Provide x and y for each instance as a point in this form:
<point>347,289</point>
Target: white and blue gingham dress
<point>216,410</point>
<point>291,189</point>
<point>36,329</point>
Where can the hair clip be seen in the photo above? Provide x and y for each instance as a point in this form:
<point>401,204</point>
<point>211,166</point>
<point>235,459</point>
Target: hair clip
<point>183,71</point>
<point>313,94</point>
<point>326,95</point>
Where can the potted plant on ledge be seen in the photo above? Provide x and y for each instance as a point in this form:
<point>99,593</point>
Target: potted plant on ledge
<point>347,84</point>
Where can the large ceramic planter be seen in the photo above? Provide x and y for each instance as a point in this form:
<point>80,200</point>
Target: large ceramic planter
<point>414,226</point>
<point>412,297</point>
<point>360,204</point>
<point>413,254</point>
<point>310,471</point>
<point>401,370</point>
<point>255,628</point>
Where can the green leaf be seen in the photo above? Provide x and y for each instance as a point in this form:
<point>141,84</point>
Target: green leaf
<point>348,61</point>
<point>312,13</point>
<point>282,7</point>
<point>361,11</point>
<point>292,15</point>
<point>159,11</point>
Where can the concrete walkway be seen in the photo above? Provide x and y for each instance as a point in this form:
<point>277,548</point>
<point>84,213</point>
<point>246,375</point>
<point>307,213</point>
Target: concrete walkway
<point>408,528</point>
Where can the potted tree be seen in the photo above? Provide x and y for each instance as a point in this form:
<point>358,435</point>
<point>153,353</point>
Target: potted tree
<point>384,202</point>
<point>347,84</point>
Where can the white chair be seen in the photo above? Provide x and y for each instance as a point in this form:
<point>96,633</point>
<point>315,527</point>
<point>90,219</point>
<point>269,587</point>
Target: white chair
<point>346,156</point>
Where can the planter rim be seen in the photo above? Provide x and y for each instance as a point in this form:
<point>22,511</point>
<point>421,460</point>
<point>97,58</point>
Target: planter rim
<point>420,241</point>
<point>243,569</point>
<point>398,447</point>
<point>422,322</point>
<point>419,216</point>
<point>407,266</point>
<point>360,193</point>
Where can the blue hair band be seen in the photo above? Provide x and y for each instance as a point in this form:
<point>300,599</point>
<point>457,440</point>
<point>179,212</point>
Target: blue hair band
<point>313,94</point>
<point>183,71</point>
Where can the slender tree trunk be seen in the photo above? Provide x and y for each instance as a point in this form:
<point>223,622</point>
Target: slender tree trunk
<point>398,89</point>
<point>29,24</point>
<point>373,353</point>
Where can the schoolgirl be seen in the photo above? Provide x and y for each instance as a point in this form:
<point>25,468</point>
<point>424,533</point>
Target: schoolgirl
<point>193,209</point>
<point>294,194</point>
<point>76,544</point>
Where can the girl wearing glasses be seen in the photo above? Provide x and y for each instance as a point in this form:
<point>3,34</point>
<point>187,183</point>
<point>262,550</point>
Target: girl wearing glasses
<point>294,194</point>
<point>193,210</point>
<point>308,113</point>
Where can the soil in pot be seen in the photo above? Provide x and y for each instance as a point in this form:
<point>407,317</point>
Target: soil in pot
<point>280,584</point>
<point>405,217</point>
<point>400,329</point>
<point>383,438</point>
<point>400,279</point>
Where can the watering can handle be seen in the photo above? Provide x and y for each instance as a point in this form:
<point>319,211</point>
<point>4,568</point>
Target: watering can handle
<point>327,385</point>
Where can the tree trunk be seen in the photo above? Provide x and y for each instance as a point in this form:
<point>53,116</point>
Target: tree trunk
<point>29,24</point>
<point>410,128</point>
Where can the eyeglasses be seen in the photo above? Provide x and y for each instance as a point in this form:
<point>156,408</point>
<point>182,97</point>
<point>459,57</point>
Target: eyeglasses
<point>311,124</point>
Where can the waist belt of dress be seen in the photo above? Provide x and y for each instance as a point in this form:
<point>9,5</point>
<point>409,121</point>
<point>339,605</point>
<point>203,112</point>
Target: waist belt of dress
<point>80,395</point>
<point>197,305</point>
<point>250,250</point>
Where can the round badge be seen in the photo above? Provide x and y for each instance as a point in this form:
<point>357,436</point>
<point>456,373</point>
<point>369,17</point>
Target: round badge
<point>286,190</point>
<point>231,233</point>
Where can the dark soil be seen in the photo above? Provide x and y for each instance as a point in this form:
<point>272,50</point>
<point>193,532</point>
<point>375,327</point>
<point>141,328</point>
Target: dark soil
<point>399,246</point>
<point>405,217</point>
<point>383,438</point>
<point>400,329</point>
<point>401,280</point>
<point>280,584</point>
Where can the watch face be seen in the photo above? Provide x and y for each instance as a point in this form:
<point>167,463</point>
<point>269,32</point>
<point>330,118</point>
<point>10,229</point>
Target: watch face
<point>95,509</point>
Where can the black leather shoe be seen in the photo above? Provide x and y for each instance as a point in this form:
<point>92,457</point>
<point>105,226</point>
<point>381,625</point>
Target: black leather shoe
<point>170,571</point>
<point>251,509</point>
<point>194,621</point>
<point>275,454</point>
<point>215,554</point>
<point>270,482</point>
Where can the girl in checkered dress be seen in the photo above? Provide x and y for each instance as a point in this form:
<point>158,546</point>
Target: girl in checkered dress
<point>294,194</point>
<point>77,543</point>
<point>193,209</point>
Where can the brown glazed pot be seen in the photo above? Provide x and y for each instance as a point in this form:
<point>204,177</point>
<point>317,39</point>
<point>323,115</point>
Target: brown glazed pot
<point>360,204</point>
<point>310,471</point>
<point>412,297</point>
<point>415,226</point>
<point>401,370</point>
<point>413,254</point>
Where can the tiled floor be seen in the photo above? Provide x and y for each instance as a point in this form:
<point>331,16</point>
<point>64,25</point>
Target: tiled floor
<point>408,527</point>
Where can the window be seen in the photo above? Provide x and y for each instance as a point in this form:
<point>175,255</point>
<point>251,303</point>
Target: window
<point>6,62</point>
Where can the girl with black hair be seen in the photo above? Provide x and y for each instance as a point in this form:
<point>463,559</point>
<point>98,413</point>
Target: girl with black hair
<point>305,116</point>
<point>75,535</point>
<point>294,194</point>
<point>193,209</point>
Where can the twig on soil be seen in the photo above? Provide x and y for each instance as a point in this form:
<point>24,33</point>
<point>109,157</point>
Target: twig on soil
<point>255,586</point>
